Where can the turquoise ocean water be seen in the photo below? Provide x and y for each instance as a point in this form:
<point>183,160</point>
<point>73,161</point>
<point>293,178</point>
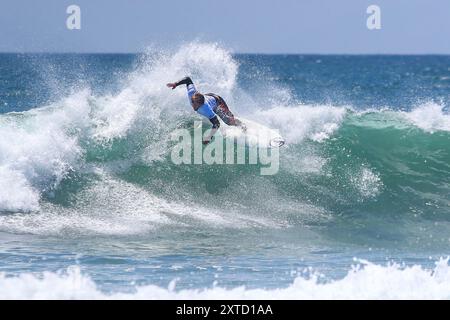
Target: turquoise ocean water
<point>91,205</point>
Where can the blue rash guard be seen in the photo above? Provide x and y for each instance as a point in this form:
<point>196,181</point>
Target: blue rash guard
<point>206,109</point>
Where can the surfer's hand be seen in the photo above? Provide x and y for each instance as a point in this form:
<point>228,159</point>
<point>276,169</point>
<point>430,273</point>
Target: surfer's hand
<point>172,85</point>
<point>206,141</point>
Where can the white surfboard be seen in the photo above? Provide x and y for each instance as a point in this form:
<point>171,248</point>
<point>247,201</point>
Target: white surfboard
<point>254,134</point>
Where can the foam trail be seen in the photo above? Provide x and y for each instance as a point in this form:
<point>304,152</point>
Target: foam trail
<point>366,281</point>
<point>301,122</point>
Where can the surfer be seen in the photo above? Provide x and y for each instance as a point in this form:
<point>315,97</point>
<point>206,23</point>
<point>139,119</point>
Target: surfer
<point>209,105</point>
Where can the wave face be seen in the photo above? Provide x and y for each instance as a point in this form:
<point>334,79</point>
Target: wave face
<point>338,160</point>
<point>94,160</point>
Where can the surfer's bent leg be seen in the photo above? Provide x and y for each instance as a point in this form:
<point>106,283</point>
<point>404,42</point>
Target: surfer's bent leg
<point>215,122</point>
<point>225,114</point>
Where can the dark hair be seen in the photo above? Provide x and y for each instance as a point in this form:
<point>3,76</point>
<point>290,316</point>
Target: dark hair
<point>199,98</point>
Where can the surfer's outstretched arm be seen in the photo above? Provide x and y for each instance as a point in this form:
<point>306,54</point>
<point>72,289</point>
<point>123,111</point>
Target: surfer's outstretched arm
<point>186,80</point>
<point>191,90</point>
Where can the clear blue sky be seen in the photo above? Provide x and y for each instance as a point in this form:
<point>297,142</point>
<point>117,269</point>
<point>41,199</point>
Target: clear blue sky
<point>282,26</point>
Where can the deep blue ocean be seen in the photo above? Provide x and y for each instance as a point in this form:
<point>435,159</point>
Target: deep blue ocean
<point>91,205</point>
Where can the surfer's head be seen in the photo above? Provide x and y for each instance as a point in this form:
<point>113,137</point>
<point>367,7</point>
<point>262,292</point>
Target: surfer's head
<point>198,99</point>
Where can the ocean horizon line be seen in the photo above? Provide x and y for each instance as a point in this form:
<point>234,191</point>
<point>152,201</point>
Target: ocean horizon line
<point>233,53</point>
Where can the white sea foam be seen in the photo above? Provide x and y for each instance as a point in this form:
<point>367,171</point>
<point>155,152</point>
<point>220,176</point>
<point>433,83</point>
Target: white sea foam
<point>364,281</point>
<point>430,117</point>
<point>17,192</point>
<point>36,152</point>
<point>300,122</point>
